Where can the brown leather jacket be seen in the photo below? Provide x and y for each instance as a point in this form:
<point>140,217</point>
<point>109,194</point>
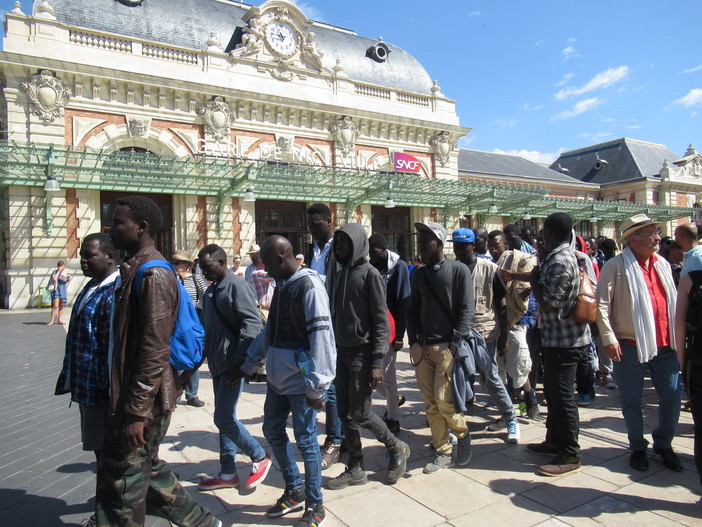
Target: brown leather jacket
<point>142,381</point>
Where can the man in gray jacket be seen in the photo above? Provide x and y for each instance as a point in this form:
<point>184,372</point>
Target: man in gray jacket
<point>360,318</point>
<point>231,321</point>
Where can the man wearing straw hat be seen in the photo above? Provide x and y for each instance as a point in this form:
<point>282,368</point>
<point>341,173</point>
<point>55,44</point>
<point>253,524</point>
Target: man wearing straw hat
<point>636,311</point>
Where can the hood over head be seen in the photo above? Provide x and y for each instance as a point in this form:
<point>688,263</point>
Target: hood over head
<point>359,242</point>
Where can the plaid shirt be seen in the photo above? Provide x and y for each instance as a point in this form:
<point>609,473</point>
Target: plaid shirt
<point>560,281</point>
<point>85,368</point>
<point>264,286</point>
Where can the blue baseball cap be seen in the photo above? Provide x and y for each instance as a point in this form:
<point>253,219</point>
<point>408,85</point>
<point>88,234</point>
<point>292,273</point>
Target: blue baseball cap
<point>463,235</point>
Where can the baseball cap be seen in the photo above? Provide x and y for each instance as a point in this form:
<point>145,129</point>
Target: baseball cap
<point>463,235</point>
<point>435,229</point>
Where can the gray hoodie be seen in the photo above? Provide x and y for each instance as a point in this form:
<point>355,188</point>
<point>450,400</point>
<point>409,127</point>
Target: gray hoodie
<point>360,312</point>
<point>297,339</point>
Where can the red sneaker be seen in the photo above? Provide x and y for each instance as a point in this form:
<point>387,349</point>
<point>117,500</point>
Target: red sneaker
<point>259,471</point>
<point>216,482</point>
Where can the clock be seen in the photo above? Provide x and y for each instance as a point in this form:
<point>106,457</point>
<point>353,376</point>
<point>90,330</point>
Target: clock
<point>281,38</point>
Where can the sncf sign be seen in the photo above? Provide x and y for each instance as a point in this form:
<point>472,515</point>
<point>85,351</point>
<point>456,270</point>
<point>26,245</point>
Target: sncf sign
<point>406,163</point>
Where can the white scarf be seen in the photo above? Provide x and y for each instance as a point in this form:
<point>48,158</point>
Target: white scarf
<point>644,325</point>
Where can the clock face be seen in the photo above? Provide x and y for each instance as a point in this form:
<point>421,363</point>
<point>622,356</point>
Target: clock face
<point>281,38</point>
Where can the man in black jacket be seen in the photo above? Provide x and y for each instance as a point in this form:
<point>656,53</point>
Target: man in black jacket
<point>360,319</point>
<point>439,317</point>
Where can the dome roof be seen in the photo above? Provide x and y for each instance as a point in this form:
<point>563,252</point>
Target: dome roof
<point>188,24</point>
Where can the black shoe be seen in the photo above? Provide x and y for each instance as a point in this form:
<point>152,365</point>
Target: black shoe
<point>350,476</point>
<point>670,459</point>
<point>639,461</point>
<point>313,516</point>
<point>398,461</point>
<point>464,450</point>
<point>197,403</point>
<point>290,501</point>
<point>401,400</point>
<point>543,448</point>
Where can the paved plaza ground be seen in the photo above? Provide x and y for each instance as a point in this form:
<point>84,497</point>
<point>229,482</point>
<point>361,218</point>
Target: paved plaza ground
<point>47,480</point>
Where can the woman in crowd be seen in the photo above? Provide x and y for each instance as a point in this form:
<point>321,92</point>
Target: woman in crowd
<point>58,286</point>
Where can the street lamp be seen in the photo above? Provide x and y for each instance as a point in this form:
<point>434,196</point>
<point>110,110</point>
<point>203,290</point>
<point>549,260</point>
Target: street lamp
<point>492,209</point>
<point>389,203</point>
<point>526,216</point>
<point>249,196</point>
<point>52,185</point>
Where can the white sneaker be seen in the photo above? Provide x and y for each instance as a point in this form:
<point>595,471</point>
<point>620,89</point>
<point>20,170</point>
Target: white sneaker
<point>497,426</point>
<point>513,435</point>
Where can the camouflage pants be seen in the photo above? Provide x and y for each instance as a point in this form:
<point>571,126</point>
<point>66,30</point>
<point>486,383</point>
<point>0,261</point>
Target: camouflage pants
<point>128,482</point>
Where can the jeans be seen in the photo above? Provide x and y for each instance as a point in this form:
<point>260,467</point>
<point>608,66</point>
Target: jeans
<point>486,363</point>
<point>562,421</point>
<point>355,403</point>
<point>434,373</point>
<point>663,369</point>
<point>693,373</point>
<point>333,426</point>
<point>128,482</point>
<point>276,410</point>
<point>232,434</point>
<point>586,376</point>
<point>193,386</point>
<point>534,342</point>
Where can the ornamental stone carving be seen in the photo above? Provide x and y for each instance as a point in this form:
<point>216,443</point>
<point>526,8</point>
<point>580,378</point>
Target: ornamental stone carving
<point>285,142</point>
<point>218,117</point>
<point>46,95</point>
<point>138,127</point>
<point>310,53</point>
<point>345,133</point>
<point>441,147</point>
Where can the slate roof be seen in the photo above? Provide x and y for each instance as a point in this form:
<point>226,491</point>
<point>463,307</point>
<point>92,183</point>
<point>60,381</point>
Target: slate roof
<point>188,24</point>
<point>509,166</point>
<point>626,159</point>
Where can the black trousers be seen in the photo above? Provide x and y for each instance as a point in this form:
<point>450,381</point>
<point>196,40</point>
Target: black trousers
<point>693,375</point>
<point>562,421</point>
<point>354,400</point>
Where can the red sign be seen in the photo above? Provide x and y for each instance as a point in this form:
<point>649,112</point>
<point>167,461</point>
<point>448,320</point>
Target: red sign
<point>406,163</point>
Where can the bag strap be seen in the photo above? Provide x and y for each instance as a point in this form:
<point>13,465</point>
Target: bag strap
<point>148,265</point>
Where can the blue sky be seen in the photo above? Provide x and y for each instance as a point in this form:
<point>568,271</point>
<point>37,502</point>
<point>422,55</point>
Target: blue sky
<point>538,77</point>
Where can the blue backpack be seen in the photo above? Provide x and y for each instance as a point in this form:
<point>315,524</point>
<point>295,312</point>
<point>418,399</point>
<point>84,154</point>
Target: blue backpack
<point>188,339</point>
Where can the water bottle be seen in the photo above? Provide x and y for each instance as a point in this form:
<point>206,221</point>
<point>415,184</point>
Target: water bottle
<point>303,362</point>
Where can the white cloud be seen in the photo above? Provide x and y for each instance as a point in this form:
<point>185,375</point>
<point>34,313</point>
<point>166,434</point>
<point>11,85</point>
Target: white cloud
<point>539,44</point>
<point>572,40</point>
<point>596,137</point>
<point>604,79</point>
<point>579,108</point>
<point>565,79</point>
<point>569,52</point>
<point>693,98</point>
<point>692,70</point>
<point>531,107</point>
<point>466,140</point>
<point>474,14</point>
<point>504,123</point>
<point>310,11</point>
<point>533,155</point>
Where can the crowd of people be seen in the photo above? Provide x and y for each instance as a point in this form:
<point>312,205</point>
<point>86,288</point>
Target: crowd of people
<point>324,329</point>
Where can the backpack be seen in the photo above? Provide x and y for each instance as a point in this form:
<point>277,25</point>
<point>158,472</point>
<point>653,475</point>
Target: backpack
<point>693,321</point>
<point>188,339</point>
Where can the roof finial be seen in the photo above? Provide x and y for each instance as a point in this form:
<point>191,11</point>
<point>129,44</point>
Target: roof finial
<point>18,9</point>
<point>690,151</point>
<point>44,10</point>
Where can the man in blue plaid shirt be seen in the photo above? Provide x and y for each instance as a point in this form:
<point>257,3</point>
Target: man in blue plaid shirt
<point>555,284</point>
<point>85,370</point>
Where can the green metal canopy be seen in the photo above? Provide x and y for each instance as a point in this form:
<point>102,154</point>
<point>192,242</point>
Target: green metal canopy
<point>223,177</point>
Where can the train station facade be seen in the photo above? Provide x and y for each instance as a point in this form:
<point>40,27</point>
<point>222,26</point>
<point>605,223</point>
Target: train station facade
<point>235,118</point>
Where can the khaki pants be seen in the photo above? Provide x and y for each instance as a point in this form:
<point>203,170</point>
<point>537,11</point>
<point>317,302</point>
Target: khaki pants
<point>434,374</point>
